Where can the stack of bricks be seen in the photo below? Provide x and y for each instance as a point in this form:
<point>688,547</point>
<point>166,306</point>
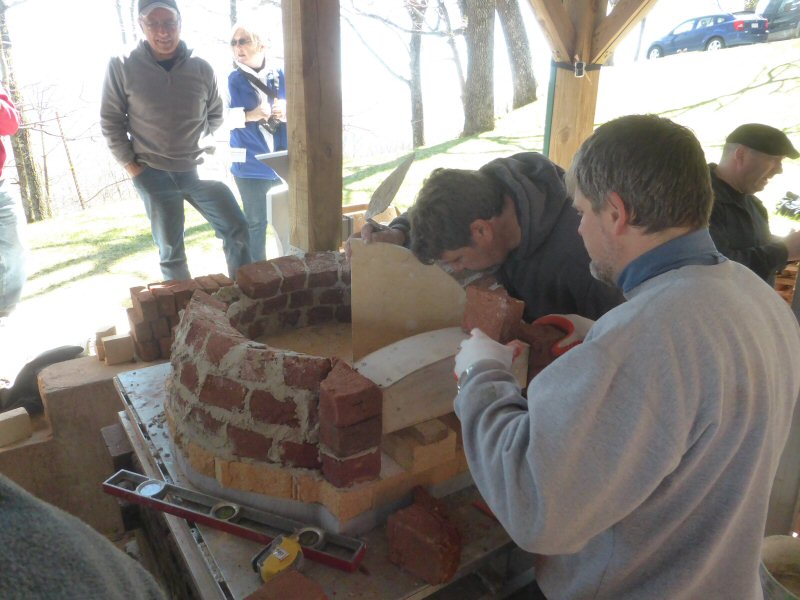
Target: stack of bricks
<point>155,312</point>
<point>350,411</point>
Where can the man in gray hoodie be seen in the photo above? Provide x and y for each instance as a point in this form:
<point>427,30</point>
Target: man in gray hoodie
<point>159,103</point>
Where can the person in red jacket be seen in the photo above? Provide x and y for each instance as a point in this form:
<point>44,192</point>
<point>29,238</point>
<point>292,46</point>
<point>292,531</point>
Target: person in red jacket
<point>12,253</point>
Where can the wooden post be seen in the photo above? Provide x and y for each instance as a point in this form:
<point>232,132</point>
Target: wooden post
<point>314,115</point>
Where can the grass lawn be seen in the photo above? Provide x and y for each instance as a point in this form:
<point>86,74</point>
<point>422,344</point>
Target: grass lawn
<point>81,266</point>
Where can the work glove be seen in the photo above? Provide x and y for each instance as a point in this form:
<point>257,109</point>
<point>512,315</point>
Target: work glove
<point>480,347</point>
<point>574,326</point>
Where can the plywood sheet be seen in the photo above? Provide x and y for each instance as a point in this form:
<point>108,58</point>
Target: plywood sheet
<point>394,296</point>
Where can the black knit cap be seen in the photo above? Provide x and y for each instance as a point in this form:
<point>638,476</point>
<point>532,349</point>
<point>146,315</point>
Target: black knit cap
<point>145,6</point>
<point>763,138</point>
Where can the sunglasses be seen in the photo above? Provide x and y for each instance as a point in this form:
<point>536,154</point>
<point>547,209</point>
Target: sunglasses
<point>241,42</point>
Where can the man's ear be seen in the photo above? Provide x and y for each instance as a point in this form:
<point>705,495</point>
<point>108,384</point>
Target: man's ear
<point>481,232</point>
<point>620,217</point>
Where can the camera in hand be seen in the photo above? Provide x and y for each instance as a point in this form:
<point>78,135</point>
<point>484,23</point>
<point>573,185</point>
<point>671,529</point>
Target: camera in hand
<point>271,124</point>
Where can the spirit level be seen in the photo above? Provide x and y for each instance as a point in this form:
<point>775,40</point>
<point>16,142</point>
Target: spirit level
<point>331,549</point>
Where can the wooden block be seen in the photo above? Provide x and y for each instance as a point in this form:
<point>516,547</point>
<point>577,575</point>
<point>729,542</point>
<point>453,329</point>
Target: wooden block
<point>15,426</point>
<point>118,348</point>
<point>118,445</point>
<point>428,432</point>
<point>410,454</point>
<point>98,339</point>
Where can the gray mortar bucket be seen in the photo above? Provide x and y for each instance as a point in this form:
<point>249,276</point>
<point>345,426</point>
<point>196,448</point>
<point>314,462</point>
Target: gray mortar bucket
<point>780,568</point>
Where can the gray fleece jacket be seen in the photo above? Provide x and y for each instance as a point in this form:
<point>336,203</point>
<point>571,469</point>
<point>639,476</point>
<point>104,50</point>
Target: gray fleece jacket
<point>640,465</point>
<point>46,553</point>
<point>158,117</point>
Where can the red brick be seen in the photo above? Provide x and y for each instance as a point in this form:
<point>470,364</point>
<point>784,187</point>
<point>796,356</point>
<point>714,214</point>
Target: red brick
<point>332,296</point>
<point>256,330</point>
<point>347,397</point>
<point>189,377</point>
<point>207,283</point>
<point>174,321</point>
<point>492,311</point>
<point>147,351</point>
<point>541,339</point>
<point>165,299</point>
<point>223,392</point>
<point>273,304</point>
<point>319,314</point>
<point>301,298</point>
<point>425,542</point>
<point>346,472</point>
<point>145,304</point>
<point>249,444</point>
<point>289,318</point>
<point>140,329</point>
<point>303,456</point>
<point>305,372</point>
<point>205,421</point>
<point>222,280</point>
<point>345,441</point>
<point>198,332</point>
<point>203,299</point>
<point>160,327</point>
<point>289,584</point>
<point>183,291</point>
<point>259,280</point>
<point>343,314</point>
<point>165,346</point>
<point>220,343</point>
<point>254,365</point>
<point>346,274</point>
<point>323,269</point>
<point>293,271</point>
<point>266,408</point>
<point>248,315</point>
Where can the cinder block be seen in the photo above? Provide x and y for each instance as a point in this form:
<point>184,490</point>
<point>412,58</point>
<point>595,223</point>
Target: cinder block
<point>15,426</point>
<point>119,348</point>
<point>98,340</point>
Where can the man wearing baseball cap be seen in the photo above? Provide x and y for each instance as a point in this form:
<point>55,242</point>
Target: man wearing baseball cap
<point>739,226</point>
<point>159,103</point>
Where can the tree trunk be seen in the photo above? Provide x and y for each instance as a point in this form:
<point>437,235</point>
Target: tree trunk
<point>121,18</point>
<point>70,162</point>
<point>519,52</point>
<point>234,15</point>
<point>416,10</point>
<point>479,97</point>
<point>451,41</point>
<point>34,201</point>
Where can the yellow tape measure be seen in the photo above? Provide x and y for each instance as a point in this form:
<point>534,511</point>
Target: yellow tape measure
<point>283,553</point>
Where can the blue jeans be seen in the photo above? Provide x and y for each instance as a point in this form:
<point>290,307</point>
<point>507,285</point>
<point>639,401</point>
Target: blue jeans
<point>254,200</point>
<point>12,253</point>
<point>163,193</point>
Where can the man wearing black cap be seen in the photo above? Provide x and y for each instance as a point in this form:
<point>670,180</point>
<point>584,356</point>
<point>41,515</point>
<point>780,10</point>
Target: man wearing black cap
<point>739,223</point>
<point>159,103</point>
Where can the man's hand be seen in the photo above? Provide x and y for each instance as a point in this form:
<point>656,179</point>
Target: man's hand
<point>481,347</point>
<point>134,169</point>
<point>792,242</point>
<point>259,113</point>
<point>574,326</point>
<point>370,234</point>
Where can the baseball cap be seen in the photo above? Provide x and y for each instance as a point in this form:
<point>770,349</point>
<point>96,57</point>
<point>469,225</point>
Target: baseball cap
<point>763,138</point>
<point>146,6</point>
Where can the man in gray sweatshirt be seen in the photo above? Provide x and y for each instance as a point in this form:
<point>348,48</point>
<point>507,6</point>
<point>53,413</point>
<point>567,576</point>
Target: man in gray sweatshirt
<point>641,462</point>
<point>159,103</point>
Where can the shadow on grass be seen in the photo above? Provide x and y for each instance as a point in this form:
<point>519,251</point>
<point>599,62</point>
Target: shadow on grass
<point>116,247</point>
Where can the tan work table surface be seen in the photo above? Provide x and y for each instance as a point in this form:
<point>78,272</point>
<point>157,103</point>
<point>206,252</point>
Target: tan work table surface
<point>226,558</point>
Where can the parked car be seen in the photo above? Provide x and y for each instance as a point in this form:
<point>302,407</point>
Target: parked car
<point>783,17</point>
<point>711,32</point>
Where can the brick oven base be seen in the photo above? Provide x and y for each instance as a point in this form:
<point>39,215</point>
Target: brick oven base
<point>300,494</point>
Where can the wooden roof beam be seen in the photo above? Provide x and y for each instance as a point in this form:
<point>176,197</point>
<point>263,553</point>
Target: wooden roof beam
<point>556,26</point>
<point>626,15</point>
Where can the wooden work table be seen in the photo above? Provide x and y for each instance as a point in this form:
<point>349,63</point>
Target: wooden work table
<point>216,565</point>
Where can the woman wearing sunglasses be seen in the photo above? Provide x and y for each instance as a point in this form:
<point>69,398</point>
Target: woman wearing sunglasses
<point>257,117</point>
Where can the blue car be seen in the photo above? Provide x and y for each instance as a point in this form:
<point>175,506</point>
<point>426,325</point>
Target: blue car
<point>712,32</point>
